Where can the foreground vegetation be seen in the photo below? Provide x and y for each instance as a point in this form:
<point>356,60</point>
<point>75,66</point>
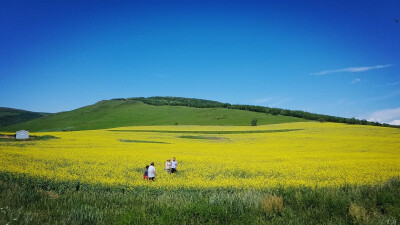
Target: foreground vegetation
<point>28,200</point>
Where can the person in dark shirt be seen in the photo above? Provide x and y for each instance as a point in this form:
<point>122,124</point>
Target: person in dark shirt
<point>146,173</point>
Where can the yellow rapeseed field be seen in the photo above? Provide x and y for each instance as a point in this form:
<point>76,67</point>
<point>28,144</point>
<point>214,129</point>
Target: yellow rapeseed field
<point>318,154</point>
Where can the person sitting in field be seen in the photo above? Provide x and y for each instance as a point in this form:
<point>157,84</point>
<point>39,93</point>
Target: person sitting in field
<point>152,172</point>
<point>146,173</point>
<point>168,165</point>
<point>174,165</point>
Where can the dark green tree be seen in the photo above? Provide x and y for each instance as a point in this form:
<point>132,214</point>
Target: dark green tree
<point>254,122</point>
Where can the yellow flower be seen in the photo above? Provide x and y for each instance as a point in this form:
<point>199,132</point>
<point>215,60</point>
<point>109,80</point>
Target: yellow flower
<point>319,154</point>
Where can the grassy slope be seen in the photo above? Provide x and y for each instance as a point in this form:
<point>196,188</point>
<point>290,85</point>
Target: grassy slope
<point>10,116</point>
<point>115,113</point>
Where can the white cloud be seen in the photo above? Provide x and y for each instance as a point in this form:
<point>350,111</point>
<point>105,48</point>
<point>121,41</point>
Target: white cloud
<point>352,69</point>
<point>357,80</point>
<point>395,122</point>
<point>386,116</point>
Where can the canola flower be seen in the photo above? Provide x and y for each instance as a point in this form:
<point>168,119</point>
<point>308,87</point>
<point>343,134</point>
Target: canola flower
<point>317,154</point>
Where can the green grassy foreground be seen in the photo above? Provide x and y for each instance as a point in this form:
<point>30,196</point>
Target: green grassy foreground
<point>27,200</point>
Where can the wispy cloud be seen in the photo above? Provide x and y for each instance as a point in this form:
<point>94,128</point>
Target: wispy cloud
<point>279,102</point>
<point>357,80</point>
<point>161,76</point>
<point>271,101</point>
<point>394,83</point>
<point>352,69</point>
<point>263,100</point>
<point>391,116</point>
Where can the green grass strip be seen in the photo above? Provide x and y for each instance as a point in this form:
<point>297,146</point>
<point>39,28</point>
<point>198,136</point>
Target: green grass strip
<point>203,137</point>
<point>208,132</point>
<point>194,137</point>
<point>140,141</point>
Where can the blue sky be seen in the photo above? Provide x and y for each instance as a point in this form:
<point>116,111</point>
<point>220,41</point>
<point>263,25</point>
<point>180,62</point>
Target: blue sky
<point>332,57</point>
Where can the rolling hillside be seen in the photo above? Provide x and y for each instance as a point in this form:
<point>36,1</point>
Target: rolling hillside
<point>131,112</point>
<point>9,116</point>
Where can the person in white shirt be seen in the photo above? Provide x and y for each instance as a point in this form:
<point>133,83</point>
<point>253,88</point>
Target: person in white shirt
<point>152,172</point>
<point>168,165</point>
<point>174,165</point>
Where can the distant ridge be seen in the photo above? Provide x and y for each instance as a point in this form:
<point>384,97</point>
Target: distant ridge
<point>142,111</point>
<point>9,116</point>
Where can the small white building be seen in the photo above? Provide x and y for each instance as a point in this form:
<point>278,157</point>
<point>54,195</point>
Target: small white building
<point>22,134</point>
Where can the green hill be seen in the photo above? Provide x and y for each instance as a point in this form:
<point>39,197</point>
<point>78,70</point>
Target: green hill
<point>132,112</point>
<point>10,116</point>
<point>159,111</point>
